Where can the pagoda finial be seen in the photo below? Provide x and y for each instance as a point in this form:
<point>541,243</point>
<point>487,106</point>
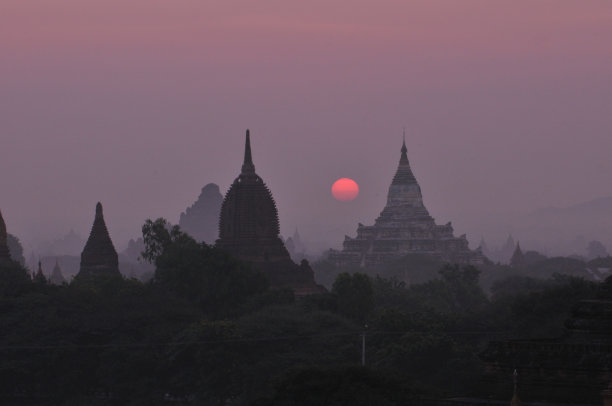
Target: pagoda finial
<point>99,210</point>
<point>404,158</point>
<point>40,276</point>
<point>247,166</point>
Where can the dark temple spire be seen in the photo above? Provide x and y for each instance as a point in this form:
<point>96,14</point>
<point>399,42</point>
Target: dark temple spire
<point>404,174</point>
<point>247,166</point>
<point>99,255</point>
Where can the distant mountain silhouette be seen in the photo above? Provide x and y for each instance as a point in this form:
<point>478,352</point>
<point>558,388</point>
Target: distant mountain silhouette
<point>569,229</point>
<point>201,220</point>
<point>602,205</point>
<point>71,244</point>
<point>553,231</point>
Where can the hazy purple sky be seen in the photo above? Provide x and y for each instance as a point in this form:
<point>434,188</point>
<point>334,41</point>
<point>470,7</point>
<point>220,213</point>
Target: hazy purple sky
<point>139,103</point>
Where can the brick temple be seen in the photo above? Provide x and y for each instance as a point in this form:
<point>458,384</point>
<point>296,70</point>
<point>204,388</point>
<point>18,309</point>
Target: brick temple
<point>249,230</point>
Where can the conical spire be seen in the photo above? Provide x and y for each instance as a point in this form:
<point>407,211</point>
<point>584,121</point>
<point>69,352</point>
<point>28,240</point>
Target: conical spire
<point>40,276</point>
<point>517,257</point>
<point>5,254</point>
<point>57,278</point>
<point>247,166</point>
<point>404,174</point>
<point>99,254</point>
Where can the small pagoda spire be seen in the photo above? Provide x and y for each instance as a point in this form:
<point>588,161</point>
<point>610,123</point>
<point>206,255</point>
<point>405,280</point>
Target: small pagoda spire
<point>5,254</point>
<point>404,174</point>
<point>404,158</point>
<point>247,166</point>
<point>515,398</point>
<point>518,258</point>
<point>57,278</point>
<point>99,255</point>
<point>40,276</point>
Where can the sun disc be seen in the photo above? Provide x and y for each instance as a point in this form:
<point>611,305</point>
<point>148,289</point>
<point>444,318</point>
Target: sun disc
<point>345,189</point>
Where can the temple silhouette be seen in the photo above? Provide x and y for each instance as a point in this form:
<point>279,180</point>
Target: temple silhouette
<point>57,277</point>
<point>249,230</point>
<point>99,256</point>
<point>404,227</point>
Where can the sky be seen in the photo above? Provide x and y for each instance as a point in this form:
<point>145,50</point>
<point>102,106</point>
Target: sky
<point>139,103</point>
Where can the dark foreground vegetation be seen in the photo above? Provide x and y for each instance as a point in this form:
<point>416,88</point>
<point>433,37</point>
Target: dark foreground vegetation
<point>208,331</point>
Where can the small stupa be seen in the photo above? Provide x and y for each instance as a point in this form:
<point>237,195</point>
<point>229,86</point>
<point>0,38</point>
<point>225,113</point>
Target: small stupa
<point>57,278</point>
<point>518,259</point>
<point>99,256</point>
<point>39,276</point>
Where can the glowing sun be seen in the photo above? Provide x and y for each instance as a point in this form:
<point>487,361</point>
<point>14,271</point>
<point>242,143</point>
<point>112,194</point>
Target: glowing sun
<point>345,189</point>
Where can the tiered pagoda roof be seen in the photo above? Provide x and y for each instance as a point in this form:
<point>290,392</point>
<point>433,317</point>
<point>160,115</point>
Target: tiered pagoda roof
<point>404,227</point>
<point>404,175</point>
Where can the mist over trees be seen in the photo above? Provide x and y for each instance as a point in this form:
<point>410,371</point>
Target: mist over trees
<point>207,330</point>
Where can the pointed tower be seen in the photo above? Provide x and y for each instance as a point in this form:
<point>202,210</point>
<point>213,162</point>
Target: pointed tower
<point>404,227</point>
<point>297,242</point>
<point>404,199</point>
<point>5,255</point>
<point>484,248</point>
<point>57,278</point>
<point>506,251</point>
<point>249,230</point>
<point>39,277</point>
<point>99,255</point>
<point>404,189</point>
<point>518,258</point>
<point>248,224</point>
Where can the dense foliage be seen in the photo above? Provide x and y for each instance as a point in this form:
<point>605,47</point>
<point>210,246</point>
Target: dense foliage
<point>208,330</point>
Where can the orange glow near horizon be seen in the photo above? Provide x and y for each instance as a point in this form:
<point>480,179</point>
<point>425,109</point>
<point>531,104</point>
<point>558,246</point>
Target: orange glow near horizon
<point>345,189</point>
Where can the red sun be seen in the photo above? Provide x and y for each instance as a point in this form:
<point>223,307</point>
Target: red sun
<point>345,189</point>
